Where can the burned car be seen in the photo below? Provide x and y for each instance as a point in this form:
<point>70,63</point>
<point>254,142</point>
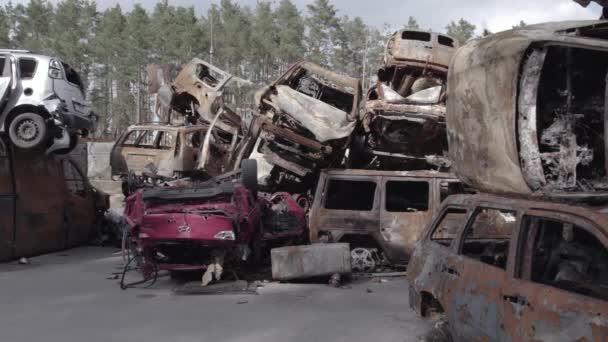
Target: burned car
<point>507,269</point>
<point>207,226</point>
<point>42,102</point>
<point>173,151</point>
<point>403,121</point>
<point>306,119</point>
<point>380,213</point>
<point>527,111</point>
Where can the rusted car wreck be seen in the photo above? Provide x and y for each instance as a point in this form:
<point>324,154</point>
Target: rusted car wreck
<point>306,119</point>
<point>380,213</point>
<point>537,97</point>
<point>502,269</point>
<point>403,122</point>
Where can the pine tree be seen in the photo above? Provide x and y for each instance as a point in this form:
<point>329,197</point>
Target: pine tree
<point>4,29</point>
<point>290,34</point>
<point>264,38</point>
<point>412,24</point>
<point>322,31</point>
<point>461,31</point>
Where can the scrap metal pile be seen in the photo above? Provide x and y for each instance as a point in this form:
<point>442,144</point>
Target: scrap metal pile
<point>308,120</point>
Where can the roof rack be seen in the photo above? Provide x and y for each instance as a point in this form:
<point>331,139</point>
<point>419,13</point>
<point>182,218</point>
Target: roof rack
<point>15,50</point>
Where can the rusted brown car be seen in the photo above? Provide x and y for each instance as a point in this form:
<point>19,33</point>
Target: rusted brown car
<point>380,213</point>
<point>173,150</point>
<point>46,203</point>
<point>509,269</point>
<point>306,119</point>
<point>403,121</point>
<point>527,110</point>
<point>197,94</point>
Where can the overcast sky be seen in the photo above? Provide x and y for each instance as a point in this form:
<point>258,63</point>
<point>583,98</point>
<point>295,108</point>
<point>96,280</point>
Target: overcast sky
<point>495,15</point>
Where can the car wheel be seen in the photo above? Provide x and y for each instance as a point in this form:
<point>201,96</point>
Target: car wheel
<point>249,175</point>
<point>73,144</point>
<point>28,131</point>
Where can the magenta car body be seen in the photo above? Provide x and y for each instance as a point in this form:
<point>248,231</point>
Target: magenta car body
<point>183,228</point>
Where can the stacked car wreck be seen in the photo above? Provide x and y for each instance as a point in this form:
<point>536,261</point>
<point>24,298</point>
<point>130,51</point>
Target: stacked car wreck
<point>526,124</point>
<point>403,122</point>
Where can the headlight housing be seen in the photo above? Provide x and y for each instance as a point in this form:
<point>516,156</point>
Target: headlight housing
<point>225,235</point>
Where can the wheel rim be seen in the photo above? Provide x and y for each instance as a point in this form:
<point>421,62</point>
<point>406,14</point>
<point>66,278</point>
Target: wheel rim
<point>362,260</point>
<point>27,130</point>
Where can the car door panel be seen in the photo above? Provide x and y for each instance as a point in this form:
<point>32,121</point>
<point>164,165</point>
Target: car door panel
<point>401,227</point>
<point>6,80</point>
<point>538,311</point>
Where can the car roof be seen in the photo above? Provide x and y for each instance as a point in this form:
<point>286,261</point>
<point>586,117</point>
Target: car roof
<point>598,214</point>
<point>25,53</point>
<point>359,172</point>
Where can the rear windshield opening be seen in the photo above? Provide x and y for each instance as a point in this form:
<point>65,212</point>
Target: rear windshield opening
<point>27,67</point>
<point>416,35</point>
<point>350,195</point>
<point>407,196</point>
<point>447,41</point>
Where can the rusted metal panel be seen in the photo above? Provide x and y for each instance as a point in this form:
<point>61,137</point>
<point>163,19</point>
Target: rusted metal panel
<point>41,198</point>
<point>300,262</point>
<point>47,210</point>
<point>7,204</point>
<point>483,302</point>
<point>419,47</point>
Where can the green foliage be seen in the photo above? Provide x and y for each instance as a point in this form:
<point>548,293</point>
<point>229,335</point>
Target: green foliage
<point>412,24</point>
<point>461,31</point>
<point>111,48</point>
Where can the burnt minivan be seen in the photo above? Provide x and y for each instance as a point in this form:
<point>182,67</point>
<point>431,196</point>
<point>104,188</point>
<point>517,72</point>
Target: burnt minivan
<point>380,213</point>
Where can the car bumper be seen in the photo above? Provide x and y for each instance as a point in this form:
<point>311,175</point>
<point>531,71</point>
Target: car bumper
<point>72,121</point>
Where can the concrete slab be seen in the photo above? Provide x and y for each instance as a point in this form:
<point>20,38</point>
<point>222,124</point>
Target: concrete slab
<point>66,297</point>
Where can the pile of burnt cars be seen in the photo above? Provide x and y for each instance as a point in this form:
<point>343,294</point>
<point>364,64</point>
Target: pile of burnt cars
<point>526,125</point>
<point>403,118</point>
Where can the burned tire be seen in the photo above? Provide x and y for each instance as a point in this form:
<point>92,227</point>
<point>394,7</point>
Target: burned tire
<point>249,175</point>
<point>28,131</point>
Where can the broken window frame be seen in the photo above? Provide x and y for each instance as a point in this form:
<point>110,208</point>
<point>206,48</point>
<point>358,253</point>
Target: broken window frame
<point>374,201</point>
<point>388,206</point>
<point>435,226</point>
<point>528,116</point>
<point>32,72</point>
<point>522,260</point>
<point>471,221</point>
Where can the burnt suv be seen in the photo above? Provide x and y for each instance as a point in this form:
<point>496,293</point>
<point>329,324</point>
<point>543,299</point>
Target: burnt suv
<point>42,102</point>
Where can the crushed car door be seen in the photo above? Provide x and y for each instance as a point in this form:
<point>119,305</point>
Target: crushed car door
<point>40,203</point>
<point>79,216</point>
<point>7,203</point>
<point>477,274</point>
<point>406,209</point>
<point>6,76</point>
<point>560,289</point>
